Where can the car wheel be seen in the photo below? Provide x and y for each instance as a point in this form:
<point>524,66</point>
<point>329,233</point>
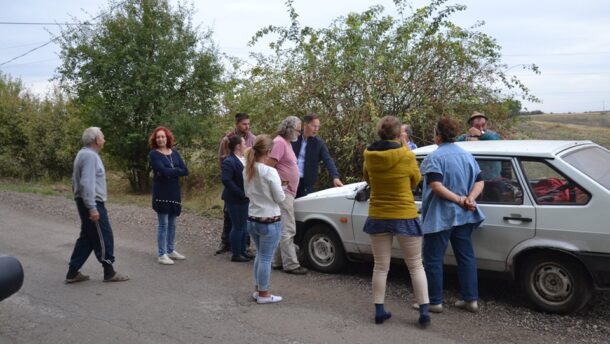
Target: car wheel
<point>555,283</point>
<point>323,249</point>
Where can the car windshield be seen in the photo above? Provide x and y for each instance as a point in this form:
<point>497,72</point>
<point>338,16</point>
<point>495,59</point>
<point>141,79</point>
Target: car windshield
<point>592,161</point>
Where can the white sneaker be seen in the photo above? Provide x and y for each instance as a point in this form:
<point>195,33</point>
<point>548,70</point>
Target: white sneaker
<point>177,256</point>
<point>268,299</point>
<point>164,259</point>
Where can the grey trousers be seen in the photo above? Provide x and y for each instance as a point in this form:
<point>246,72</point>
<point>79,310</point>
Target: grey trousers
<point>286,255</point>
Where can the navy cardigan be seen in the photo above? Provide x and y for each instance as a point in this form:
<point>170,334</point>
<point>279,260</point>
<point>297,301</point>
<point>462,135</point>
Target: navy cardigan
<point>166,187</point>
<point>233,180</point>
<point>315,152</point>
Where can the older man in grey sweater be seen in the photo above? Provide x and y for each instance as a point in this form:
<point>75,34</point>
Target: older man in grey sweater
<point>89,188</point>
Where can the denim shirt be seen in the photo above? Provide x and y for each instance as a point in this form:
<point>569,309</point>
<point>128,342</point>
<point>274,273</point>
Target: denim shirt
<point>459,170</point>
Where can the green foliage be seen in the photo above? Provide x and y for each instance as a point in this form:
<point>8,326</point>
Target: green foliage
<point>37,136</point>
<point>420,66</point>
<point>143,65</point>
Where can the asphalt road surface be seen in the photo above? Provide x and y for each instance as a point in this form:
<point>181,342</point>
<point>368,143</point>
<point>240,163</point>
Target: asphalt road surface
<point>205,299</point>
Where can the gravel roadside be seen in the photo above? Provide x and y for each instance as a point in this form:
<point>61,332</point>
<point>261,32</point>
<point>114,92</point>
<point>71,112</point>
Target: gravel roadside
<point>502,305</point>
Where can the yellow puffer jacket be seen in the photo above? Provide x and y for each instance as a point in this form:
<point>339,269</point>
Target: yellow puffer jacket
<point>391,171</point>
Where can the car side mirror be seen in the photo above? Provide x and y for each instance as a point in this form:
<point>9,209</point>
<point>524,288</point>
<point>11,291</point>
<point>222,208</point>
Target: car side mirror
<point>363,194</point>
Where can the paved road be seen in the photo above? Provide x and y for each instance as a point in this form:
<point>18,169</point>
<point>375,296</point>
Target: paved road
<point>204,299</point>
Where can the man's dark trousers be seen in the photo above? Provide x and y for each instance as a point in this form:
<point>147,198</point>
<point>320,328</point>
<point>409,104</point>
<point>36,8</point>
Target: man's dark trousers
<point>94,236</point>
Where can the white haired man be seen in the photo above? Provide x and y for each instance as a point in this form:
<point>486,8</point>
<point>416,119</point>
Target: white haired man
<point>89,188</point>
<point>284,160</point>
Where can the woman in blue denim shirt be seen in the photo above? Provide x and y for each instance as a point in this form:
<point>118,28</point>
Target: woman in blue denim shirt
<point>263,187</point>
<point>452,182</point>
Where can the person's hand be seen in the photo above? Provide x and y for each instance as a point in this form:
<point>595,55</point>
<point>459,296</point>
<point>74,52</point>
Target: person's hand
<point>94,216</point>
<point>337,182</point>
<point>474,132</point>
<point>470,204</point>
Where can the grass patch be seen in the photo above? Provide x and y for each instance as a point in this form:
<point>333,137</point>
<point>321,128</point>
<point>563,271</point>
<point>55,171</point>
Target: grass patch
<point>206,203</point>
<point>39,187</point>
<point>592,127</point>
<point>596,120</point>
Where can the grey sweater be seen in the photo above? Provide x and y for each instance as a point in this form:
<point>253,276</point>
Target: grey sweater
<point>89,178</point>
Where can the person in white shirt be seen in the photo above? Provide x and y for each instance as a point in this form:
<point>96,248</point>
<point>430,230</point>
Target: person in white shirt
<point>262,185</point>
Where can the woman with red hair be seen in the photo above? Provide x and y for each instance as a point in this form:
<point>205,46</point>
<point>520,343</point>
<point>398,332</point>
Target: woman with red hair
<point>168,166</point>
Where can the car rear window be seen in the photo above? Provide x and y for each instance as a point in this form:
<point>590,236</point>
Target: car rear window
<point>592,161</point>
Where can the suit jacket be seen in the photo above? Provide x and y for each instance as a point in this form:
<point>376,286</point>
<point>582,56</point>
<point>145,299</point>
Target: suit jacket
<point>315,152</point>
<point>233,180</point>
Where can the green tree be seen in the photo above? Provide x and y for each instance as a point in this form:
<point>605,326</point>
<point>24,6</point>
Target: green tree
<point>36,136</point>
<point>419,66</point>
<point>142,65</point>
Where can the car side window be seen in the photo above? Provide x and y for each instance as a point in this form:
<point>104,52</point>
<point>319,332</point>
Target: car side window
<point>550,187</point>
<point>501,183</point>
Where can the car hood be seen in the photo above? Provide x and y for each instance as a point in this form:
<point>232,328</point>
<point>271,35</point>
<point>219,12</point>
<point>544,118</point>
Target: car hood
<point>348,190</point>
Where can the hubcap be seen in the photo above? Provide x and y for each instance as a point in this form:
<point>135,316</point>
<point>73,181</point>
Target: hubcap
<point>553,283</point>
<point>322,250</point>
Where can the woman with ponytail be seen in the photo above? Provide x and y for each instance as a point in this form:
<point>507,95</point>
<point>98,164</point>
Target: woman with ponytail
<point>263,187</point>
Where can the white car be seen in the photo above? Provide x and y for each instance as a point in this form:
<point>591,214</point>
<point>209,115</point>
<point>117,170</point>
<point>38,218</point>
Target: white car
<point>547,205</point>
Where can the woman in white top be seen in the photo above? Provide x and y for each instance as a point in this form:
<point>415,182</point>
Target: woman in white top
<point>263,187</point>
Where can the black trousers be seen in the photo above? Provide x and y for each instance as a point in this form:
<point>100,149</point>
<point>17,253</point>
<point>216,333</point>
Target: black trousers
<point>94,236</point>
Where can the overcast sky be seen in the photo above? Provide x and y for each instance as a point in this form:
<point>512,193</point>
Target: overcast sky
<point>568,40</point>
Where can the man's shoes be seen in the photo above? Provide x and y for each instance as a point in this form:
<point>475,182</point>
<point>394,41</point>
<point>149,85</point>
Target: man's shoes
<point>78,278</point>
<point>279,267</point>
<point>470,306</point>
<point>223,247</point>
<point>177,256</point>
<point>298,271</point>
<point>431,308</point>
<point>165,260</point>
<point>240,258</point>
<point>117,278</point>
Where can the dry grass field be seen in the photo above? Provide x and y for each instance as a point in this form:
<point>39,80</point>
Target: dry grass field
<point>584,126</point>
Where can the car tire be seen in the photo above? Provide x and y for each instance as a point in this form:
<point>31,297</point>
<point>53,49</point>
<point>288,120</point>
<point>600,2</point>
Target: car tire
<point>323,249</point>
<point>555,283</point>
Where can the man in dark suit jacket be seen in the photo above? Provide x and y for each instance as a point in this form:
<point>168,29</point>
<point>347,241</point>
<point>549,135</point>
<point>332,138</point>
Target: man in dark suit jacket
<point>310,150</point>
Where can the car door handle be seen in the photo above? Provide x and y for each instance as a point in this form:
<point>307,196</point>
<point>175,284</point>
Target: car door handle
<point>523,219</point>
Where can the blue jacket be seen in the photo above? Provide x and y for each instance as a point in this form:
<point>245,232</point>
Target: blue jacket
<point>315,152</point>
<point>233,180</point>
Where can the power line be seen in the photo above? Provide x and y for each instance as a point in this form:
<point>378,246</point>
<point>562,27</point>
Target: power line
<point>27,52</point>
<point>36,23</point>
<point>53,39</point>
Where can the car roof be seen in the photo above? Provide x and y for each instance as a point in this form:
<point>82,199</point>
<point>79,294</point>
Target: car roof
<point>529,148</point>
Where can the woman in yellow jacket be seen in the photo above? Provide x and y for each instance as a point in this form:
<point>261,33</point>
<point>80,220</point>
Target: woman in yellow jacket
<point>391,171</point>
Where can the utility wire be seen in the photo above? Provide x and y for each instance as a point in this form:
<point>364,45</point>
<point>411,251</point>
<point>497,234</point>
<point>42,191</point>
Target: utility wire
<point>53,39</point>
<point>34,23</point>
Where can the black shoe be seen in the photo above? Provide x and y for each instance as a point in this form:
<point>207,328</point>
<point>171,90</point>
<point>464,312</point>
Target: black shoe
<point>298,271</point>
<point>223,247</point>
<point>240,258</point>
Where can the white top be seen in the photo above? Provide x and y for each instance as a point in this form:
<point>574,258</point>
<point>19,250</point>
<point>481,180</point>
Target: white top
<point>264,191</point>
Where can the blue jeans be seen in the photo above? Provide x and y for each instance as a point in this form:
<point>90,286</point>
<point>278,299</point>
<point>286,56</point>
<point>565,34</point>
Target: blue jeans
<point>239,218</point>
<point>266,237</point>
<point>94,236</point>
<point>435,245</point>
<point>166,233</point>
